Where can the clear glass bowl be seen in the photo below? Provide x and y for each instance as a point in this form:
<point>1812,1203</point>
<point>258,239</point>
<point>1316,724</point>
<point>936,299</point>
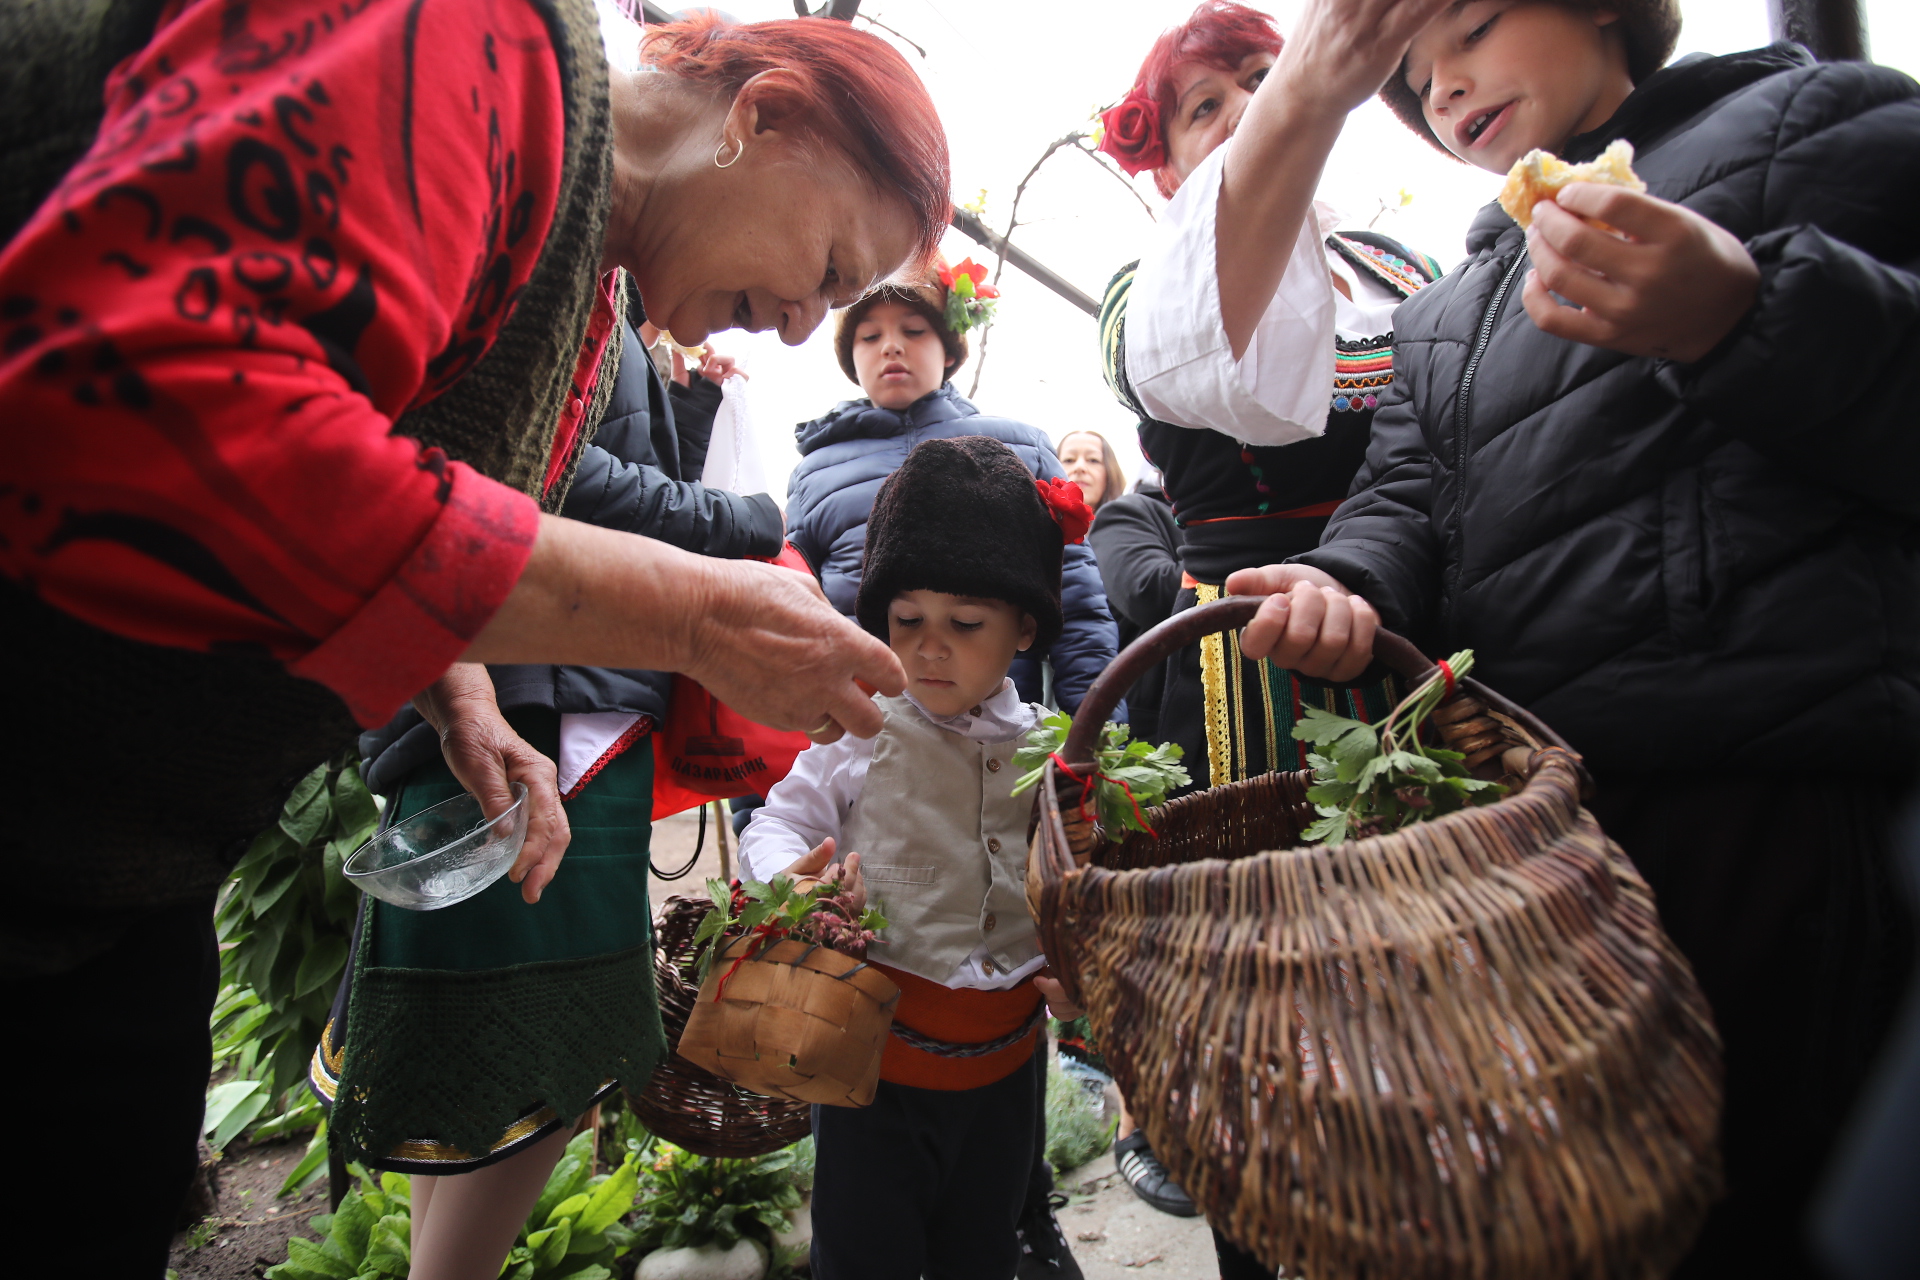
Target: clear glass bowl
<point>440,855</point>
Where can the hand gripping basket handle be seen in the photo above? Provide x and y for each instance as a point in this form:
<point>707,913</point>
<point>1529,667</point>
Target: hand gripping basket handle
<point>1182,629</point>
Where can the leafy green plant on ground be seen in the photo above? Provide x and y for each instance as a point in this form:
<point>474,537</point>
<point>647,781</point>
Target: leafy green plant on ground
<point>1372,779</point>
<point>574,1232</point>
<point>1075,1131</point>
<point>1131,778</point>
<point>284,921</point>
<point>689,1201</point>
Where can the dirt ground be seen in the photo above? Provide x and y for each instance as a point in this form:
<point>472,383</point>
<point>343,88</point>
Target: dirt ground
<point>1116,1236</point>
<point>248,1231</point>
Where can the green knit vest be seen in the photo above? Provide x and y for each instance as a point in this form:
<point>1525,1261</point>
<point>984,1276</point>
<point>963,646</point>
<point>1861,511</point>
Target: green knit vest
<point>146,770</point>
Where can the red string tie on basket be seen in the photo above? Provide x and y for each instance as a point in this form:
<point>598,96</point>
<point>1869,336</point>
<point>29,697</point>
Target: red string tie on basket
<point>1086,789</point>
<point>768,933</point>
<point>1446,669</point>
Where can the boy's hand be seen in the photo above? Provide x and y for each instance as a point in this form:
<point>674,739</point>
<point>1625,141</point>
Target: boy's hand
<point>818,865</point>
<point>1674,289</point>
<point>810,864</point>
<point>1057,1003</point>
<point>851,881</point>
<point>1309,622</point>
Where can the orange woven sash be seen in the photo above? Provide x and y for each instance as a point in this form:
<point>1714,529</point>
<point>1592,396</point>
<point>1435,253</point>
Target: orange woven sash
<point>960,1017</point>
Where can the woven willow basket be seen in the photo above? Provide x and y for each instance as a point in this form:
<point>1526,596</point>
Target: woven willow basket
<point>688,1106</point>
<point>1463,1049</point>
<point>793,1020</point>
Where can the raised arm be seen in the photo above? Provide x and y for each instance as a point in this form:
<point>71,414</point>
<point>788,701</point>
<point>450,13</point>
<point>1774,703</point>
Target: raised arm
<point>1338,55</point>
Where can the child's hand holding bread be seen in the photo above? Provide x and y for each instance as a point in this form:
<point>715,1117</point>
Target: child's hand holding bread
<point>1643,276</point>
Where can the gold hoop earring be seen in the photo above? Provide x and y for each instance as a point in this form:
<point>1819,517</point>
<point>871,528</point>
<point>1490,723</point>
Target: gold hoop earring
<point>739,150</point>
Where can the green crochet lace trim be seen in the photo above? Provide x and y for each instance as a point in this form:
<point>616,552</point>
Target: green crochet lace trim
<point>453,1061</point>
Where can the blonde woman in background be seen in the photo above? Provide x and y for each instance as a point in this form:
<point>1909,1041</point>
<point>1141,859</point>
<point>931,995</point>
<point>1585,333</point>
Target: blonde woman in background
<point>1090,463</point>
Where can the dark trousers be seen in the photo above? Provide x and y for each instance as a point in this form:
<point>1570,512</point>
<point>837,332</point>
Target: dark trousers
<point>1780,894</point>
<point>925,1182</point>
<point>126,1031</point>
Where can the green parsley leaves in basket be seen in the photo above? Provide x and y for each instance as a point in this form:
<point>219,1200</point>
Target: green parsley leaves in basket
<point>1130,777</point>
<point>1372,779</point>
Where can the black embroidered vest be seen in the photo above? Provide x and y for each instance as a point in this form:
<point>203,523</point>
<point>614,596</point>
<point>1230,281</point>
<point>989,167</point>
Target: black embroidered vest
<point>1243,505</point>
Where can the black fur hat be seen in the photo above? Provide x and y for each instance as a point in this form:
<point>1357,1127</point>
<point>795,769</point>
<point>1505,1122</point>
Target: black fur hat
<point>963,516</point>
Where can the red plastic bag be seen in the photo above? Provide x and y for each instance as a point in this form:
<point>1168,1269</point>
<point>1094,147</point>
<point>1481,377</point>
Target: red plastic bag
<point>708,751</point>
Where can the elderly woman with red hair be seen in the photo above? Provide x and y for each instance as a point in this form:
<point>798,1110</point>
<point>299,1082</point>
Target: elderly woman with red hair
<point>307,312</point>
<point>1253,340</point>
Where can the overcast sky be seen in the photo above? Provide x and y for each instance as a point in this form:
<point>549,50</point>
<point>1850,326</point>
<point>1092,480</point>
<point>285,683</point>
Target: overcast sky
<point>1009,76</point>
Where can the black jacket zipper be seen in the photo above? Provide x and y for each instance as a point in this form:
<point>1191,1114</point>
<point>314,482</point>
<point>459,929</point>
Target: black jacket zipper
<point>1461,404</point>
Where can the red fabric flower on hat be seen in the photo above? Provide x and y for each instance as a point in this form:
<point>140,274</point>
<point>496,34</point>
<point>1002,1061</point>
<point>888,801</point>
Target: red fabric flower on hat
<point>1068,507</point>
<point>1132,133</point>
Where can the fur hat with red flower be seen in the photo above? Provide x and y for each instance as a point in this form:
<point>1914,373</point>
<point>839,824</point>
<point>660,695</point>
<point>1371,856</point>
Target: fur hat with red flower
<point>954,300</point>
<point>964,516</point>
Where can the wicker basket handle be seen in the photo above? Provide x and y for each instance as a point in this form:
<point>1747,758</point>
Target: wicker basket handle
<point>1182,629</point>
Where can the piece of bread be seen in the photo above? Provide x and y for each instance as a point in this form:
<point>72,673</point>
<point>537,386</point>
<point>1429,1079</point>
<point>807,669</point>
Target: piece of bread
<point>1539,175</point>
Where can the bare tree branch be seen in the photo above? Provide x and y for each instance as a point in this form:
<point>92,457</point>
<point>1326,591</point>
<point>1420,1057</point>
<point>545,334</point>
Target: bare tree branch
<point>1118,176</point>
<point>867,17</point>
<point>1013,220</point>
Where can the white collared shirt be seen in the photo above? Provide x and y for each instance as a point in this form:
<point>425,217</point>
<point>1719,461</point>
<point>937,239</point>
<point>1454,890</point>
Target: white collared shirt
<point>813,801</point>
<point>1179,359</point>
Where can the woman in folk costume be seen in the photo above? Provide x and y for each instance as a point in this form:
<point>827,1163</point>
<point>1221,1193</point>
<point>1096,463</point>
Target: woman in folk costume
<point>1254,359</point>
<point>963,567</point>
<point>309,313</point>
<point>1253,340</point>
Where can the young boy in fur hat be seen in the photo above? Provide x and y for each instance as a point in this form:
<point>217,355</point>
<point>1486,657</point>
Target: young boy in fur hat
<point>962,573</point>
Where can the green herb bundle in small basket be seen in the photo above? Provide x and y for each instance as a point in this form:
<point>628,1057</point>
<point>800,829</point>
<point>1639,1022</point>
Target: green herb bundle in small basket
<point>781,1010</point>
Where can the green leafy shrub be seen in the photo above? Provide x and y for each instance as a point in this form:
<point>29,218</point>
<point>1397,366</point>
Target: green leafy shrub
<point>574,1232</point>
<point>284,921</point>
<point>1075,1131</point>
<point>689,1201</point>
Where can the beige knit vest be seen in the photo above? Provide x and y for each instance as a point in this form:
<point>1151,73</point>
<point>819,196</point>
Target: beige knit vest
<point>943,847</point>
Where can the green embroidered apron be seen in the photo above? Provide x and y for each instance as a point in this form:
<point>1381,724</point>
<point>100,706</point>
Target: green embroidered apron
<point>474,1031</point>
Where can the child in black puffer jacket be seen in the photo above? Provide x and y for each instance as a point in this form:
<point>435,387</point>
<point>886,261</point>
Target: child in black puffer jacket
<point>1662,481</point>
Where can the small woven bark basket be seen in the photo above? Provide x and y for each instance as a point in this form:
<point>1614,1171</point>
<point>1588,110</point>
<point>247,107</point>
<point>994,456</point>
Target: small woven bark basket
<point>688,1106</point>
<point>792,1020</point>
<point>1461,1049</point>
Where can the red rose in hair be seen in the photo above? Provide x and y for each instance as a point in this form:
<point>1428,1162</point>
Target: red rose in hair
<point>1132,133</point>
<point>1068,507</point>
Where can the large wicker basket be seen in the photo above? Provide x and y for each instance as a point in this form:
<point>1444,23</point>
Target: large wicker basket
<point>1462,1049</point>
<point>684,1104</point>
<point>792,1020</point>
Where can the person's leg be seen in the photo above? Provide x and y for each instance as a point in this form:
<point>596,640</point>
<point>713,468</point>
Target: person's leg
<point>990,1134</point>
<point>1044,1253</point>
<point>875,1178</point>
<point>1236,1263</point>
<point>131,1019</point>
<point>1779,895</point>
<point>464,1226</point>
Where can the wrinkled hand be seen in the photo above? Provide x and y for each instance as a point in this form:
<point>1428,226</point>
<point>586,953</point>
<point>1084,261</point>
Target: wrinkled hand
<point>487,757</point>
<point>1309,623</point>
<point>766,642</point>
<point>818,864</point>
<point>1673,288</point>
<point>1057,1003</point>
